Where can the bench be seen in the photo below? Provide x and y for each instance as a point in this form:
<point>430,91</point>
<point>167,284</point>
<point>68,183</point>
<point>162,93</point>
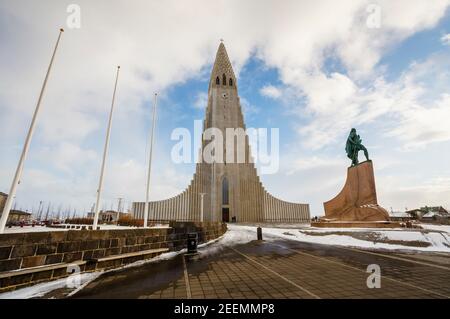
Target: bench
<point>31,270</point>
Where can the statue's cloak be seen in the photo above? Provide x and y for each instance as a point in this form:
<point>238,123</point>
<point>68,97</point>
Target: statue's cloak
<point>349,148</point>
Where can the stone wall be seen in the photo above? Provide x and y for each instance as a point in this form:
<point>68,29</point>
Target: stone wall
<point>51,252</point>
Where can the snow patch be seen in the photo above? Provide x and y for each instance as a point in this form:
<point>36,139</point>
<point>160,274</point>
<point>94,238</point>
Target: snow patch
<point>437,241</point>
<point>40,290</point>
<point>234,236</point>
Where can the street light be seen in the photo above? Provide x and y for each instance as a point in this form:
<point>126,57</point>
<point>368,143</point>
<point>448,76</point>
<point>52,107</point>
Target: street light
<point>201,204</point>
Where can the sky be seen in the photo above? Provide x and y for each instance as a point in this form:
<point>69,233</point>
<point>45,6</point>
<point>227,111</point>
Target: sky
<point>313,69</point>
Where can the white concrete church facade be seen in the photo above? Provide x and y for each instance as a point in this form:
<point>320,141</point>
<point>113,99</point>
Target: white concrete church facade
<point>233,190</point>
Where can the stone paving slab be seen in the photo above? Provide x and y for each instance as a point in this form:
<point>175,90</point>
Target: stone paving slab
<point>273,270</point>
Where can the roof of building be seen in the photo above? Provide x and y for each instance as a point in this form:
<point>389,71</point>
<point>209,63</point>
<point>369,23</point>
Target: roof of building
<point>222,64</point>
<point>434,209</point>
<point>399,214</point>
<point>414,210</point>
<point>430,214</point>
<point>435,213</point>
<point>18,212</point>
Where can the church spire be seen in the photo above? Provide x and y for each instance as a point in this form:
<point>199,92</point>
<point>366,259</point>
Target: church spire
<point>222,73</point>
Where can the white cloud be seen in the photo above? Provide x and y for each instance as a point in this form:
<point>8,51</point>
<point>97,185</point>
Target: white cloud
<point>445,39</point>
<point>420,125</point>
<point>407,193</point>
<point>160,45</point>
<point>270,91</point>
<point>66,155</point>
<point>201,102</point>
<point>414,108</point>
<point>247,108</point>
<point>314,163</point>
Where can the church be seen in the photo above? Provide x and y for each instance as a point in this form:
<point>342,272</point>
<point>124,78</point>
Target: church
<point>232,190</point>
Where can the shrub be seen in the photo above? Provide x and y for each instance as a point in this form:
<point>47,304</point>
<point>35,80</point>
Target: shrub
<point>80,221</point>
<point>130,221</point>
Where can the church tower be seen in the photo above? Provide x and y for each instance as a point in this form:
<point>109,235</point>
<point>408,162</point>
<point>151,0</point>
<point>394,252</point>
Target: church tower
<point>229,180</point>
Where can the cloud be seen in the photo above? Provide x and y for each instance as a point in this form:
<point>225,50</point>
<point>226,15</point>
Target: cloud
<point>414,107</point>
<point>421,125</point>
<point>247,108</point>
<point>314,163</point>
<point>66,155</point>
<point>445,39</point>
<point>201,102</point>
<point>407,193</point>
<point>270,91</point>
<point>161,45</point>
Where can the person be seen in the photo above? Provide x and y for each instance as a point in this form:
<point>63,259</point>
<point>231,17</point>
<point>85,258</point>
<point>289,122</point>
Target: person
<point>353,146</point>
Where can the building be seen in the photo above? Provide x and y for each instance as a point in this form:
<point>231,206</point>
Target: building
<point>233,190</point>
<point>18,216</point>
<point>3,198</point>
<point>14,214</point>
<point>437,209</point>
<point>435,214</point>
<point>429,213</point>
<point>400,216</point>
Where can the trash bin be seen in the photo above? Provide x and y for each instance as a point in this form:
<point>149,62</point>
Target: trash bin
<point>192,241</point>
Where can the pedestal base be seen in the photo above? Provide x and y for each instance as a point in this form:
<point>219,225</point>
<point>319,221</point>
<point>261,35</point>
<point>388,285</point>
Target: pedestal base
<point>357,201</point>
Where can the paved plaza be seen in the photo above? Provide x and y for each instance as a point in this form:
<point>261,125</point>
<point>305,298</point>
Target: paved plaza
<point>279,269</point>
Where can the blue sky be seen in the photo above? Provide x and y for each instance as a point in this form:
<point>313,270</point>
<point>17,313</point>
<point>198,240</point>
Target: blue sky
<point>313,70</point>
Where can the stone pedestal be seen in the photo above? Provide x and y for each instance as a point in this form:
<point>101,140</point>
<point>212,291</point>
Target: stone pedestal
<point>357,201</point>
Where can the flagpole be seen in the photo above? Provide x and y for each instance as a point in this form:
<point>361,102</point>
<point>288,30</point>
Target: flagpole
<point>152,137</point>
<point>26,147</point>
<point>105,152</point>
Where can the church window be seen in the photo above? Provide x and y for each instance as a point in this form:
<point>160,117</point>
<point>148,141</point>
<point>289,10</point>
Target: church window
<point>231,82</point>
<point>217,81</point>
<point>224,79</point>
<point>225,190</point>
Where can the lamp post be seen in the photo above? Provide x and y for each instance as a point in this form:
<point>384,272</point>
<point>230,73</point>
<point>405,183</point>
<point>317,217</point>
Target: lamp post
<point>201,208</point>
<point>18,174</point>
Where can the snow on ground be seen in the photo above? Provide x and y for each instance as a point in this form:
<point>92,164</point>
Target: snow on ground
<point>30,229</point>
<point>104,227</point>
<point>444,228</point>
<point>40,290</point>
<point>234,236</point>
<point>436,240</point>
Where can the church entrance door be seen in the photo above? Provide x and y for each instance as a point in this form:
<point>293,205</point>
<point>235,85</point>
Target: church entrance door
<point>225,215</point>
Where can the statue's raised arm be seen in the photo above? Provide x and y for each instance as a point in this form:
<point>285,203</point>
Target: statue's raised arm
<point>353,146</point>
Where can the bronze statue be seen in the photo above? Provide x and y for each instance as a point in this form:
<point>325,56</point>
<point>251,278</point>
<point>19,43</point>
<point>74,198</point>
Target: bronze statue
<point>353,146</point>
